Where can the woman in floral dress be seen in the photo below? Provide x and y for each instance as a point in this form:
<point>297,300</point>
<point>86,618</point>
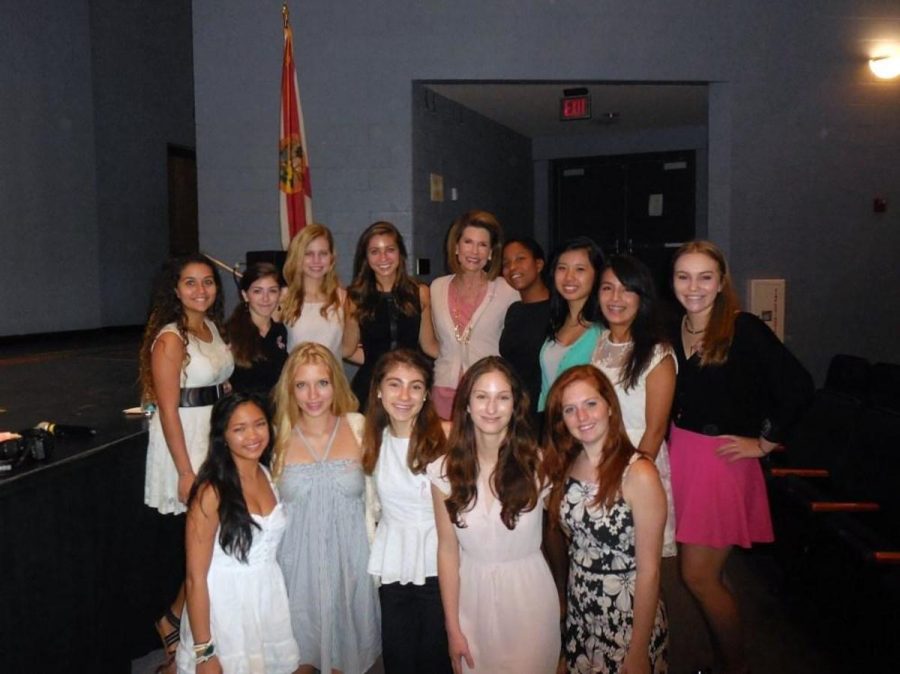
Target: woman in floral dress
<point>612,507</point>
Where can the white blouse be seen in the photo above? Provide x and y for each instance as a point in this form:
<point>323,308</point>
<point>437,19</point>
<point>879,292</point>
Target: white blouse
<point>405,546</point>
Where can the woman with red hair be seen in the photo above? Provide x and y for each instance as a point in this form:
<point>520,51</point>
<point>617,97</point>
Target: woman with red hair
<point>612,508</point>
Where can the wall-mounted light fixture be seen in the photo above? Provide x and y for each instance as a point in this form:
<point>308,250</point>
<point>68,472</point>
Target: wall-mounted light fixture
<point>885,67</point>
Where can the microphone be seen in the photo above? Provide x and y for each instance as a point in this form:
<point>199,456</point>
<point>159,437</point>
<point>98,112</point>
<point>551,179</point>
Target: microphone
<point>67,430</point>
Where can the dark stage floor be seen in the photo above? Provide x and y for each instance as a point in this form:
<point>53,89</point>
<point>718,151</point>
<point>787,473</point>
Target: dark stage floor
<point>79,379</point>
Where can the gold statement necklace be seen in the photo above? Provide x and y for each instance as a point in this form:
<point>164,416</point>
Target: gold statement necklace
<point>461,336</point>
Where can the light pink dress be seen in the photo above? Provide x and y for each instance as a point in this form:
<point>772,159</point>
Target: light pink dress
<point>508,606</point>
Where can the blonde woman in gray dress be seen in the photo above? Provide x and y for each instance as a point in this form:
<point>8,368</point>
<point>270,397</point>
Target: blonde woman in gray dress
<point>325,550</point>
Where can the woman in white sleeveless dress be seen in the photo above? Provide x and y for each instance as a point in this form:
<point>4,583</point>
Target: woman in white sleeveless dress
<point>184,365</point>
<point>237,618</point>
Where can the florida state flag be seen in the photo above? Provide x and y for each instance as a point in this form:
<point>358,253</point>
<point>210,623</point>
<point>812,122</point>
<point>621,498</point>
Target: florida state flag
<point>293,163</point>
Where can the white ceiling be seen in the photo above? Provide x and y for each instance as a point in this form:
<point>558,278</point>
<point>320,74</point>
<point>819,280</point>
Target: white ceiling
<point>533,109</point>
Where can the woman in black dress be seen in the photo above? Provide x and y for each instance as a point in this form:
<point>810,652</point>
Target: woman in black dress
<point>258,344</point>
<point>525,327</point>
<point>387,308</point>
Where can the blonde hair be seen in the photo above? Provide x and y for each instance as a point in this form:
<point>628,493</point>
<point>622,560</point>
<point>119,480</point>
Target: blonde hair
<point>482,220</point>
<point>719,331</point>
<point>293,274</point>
<point>287,412</point>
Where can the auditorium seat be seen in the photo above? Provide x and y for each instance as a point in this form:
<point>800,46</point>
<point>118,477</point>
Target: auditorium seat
<point>884,386</point>
<point>849,375</point>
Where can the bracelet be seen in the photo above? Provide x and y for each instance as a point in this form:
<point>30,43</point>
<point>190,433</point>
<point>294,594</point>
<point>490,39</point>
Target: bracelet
<point>204,652</point>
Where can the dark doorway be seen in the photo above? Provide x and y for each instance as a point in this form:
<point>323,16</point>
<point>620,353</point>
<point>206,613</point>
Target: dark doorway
<point>641,204</point>
<point>182,171</point>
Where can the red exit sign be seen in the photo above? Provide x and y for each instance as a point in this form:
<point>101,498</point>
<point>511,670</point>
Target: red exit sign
<point>575,107</point>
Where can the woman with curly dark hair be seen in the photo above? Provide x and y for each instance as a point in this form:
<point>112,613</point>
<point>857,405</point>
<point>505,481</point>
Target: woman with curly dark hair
<point>258,344</point>
<point>387,308</point>
<point>500,603</point>
<point>612,509</point>
<point>403,435</point>
<point>184,364</point>
<point>237,605</point>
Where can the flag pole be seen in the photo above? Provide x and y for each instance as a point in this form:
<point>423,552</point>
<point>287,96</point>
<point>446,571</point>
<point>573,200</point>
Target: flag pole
<point>231,270</point>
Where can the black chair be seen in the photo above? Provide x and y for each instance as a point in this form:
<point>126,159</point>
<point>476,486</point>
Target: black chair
<point>884,386</point>
<point>849,375</point>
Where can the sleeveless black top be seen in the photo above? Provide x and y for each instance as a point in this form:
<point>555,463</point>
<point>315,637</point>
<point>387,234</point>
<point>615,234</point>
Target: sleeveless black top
<point>388,329</point>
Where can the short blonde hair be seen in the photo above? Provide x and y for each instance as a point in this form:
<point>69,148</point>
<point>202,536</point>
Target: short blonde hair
<point>287,412</point>
<point>482,220</point>
<point>293,274</point>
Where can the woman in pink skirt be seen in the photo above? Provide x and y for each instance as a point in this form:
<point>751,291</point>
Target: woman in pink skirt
<point>737,390</point>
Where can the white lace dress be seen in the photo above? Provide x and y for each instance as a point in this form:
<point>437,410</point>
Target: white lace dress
<point>210,364</point>
<point>610,357</point>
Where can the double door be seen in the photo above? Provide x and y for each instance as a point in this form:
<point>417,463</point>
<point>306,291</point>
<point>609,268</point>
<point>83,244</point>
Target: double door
<point>640,204</point>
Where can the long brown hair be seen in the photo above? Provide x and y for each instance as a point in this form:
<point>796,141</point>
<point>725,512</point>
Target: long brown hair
<point>243,335</point>
<point>167,308</point>
<point>482,220</point>
<point>561,449</point>
<point>293,274</point>
<point>719,331</point>
<point>364,290</point>
<point>427,441</point>
<point>287,412</point>
<point>515,478</point>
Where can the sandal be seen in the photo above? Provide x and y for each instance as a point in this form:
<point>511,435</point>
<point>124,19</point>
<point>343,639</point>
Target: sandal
<point>167,667</point>
<point>169,638</point>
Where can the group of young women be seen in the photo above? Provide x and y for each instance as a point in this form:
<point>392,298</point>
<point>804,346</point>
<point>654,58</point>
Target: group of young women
<point>415,531</point>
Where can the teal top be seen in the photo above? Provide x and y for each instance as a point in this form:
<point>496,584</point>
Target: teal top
<point>579,353</point>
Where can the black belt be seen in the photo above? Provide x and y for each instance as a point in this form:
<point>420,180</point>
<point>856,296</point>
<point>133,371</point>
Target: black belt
<point>201,396</point>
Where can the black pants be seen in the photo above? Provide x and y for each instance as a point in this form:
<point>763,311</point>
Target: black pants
<point>413,636</point>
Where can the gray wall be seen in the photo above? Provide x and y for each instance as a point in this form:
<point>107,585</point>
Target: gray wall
<point>489,165</point>
<point>800,136</point>
<point>48,204</point>
<point>143,100</point>
<point>91,93</point>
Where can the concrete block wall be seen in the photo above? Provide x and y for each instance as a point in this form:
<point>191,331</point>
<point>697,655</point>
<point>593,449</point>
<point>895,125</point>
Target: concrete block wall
<point>489,165</point>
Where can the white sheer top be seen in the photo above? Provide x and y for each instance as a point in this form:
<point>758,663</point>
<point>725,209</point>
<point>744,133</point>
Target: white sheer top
<point>405,545</point>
